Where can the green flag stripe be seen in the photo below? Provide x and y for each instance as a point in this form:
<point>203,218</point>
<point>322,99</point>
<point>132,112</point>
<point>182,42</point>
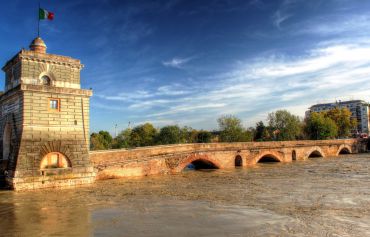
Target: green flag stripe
<point>42,14</point>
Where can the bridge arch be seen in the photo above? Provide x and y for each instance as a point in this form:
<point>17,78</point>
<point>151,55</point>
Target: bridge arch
<point>294,155</point>
<point>314,152</point>
<point>268,156</point>
<point>238,161</point>
<point>344,149</point>
<point>55,160</point>
<point>198,160</point>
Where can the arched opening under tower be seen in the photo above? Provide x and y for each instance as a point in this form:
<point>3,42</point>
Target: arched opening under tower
<point>54,160</point>
<point>315,154</point>
<point>268,159</point>
<point>238,161</point>
<point>294,155</point>
<point>344,151</point>
<point>7,137</point>
<point>201,164</point>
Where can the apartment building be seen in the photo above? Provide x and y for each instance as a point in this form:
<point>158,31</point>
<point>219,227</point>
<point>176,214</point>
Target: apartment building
<point>358,108</point>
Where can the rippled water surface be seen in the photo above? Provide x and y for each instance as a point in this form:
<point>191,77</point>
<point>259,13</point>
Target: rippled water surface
<point>318,197</point>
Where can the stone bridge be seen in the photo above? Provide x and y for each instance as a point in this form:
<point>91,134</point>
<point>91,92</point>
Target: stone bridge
<point>175,158</point>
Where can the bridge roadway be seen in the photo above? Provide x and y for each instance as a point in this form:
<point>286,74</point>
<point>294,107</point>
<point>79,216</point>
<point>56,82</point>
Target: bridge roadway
<point>174,158</point>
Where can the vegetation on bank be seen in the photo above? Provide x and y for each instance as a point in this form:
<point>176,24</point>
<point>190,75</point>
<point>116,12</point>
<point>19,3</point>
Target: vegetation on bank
<point>281,126</point>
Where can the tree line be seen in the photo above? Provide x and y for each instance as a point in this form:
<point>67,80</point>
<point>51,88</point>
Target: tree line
<point>281,126</point>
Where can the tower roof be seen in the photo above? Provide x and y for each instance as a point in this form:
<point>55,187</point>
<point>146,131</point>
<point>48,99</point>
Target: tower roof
<point>38,45</point>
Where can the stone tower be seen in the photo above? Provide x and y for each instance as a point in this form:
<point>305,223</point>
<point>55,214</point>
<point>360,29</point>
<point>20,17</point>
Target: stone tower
<point>44,121</point>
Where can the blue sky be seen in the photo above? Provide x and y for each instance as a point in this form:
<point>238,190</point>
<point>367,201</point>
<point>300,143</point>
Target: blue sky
<point>189,62</point>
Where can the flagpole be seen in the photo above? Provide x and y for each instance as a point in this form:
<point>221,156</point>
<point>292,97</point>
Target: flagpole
<point>38,21</point>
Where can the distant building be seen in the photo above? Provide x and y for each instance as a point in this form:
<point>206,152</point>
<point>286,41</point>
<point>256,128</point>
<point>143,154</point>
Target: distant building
<point>358,108</point>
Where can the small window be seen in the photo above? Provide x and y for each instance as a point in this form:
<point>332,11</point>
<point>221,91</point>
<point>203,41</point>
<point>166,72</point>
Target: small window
<point>54,104</point>
<point>45,80</point>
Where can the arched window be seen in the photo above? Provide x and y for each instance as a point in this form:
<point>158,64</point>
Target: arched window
<point>54,160</point>
<point>45,80</point>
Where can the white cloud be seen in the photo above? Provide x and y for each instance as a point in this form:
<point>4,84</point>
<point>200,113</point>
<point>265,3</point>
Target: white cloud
<point>189,108</point>
<point>318,59</point>
<point>176,62</point>
<point>279,17</point>
<point>284,12</point>
<point>139,94</point>
<point>149,104</point>
<point>172,90</point>
<point>253,88</point>
<point>336,24</point>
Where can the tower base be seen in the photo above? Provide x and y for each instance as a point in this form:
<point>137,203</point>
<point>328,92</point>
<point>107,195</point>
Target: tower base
<point>51,179</point>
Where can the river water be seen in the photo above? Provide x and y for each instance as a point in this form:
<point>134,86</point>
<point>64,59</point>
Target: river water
<point>317,197</point>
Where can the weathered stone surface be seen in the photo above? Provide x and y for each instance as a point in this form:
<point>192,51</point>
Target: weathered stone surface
<point>37,129</point>
<point>174,158</point>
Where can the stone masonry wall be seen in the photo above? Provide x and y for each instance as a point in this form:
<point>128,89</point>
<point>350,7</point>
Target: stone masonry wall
<point>62,75</point>
<point>44,131</point>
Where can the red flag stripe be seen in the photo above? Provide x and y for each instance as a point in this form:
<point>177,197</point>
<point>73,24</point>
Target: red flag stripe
<point>50,15</point>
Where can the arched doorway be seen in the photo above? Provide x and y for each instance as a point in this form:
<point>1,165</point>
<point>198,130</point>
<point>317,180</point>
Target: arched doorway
<point>315,154</point>
<point>294,155</point>
<point>268,159</point>
<point>7,137</point>
<point>54,160</point>
<point>238,161</point>
<point>200,164</point>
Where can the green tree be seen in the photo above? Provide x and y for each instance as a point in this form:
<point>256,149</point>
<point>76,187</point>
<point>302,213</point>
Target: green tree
<point>193,136</point>
<point>320,127</point>
<point>170,135</point>
<point>100,141</point>
<point>186,135</point>
<point>204,136</point>
<point>231,129</point>
<point>123,139</point>
<point>248,135</point>
<point>96,142</point>
<point>260,131</point>
<point>285,126</point>
<point>143,135</point>
<point>342,118</point>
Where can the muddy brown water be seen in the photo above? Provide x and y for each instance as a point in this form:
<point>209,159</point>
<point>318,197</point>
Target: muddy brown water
<point>317,197</point>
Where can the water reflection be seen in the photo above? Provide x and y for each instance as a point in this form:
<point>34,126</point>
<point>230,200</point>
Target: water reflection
<point>42,214</point>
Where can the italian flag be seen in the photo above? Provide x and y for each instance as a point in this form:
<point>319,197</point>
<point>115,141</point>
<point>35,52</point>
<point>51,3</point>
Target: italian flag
<point>43,14</point>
